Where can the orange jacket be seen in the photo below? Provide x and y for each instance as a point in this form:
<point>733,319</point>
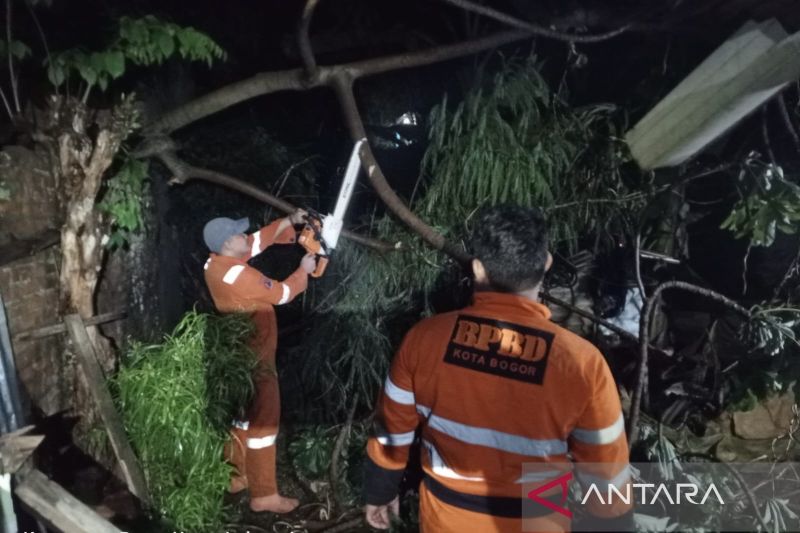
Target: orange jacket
<point>235,286</point>
<point>493,386</point>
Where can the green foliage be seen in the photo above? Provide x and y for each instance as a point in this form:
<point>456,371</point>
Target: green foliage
<point>771,330</point>
<point>768,204</point>
<point>177,399</point>
<point>144,41</point>
<point>512,140</point>
<point>123,200</point>
<point>771,340</point>
<point>19,50</point>
<point>515,141</point>
<point>311,450</point>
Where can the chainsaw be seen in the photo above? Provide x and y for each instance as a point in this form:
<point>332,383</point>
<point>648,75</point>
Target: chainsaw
<point>321,232</point>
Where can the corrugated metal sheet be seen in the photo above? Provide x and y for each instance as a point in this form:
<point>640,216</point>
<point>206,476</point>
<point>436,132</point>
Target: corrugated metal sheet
<point>11,416</point>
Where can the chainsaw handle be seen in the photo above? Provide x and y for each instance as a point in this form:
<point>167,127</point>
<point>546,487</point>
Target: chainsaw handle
<point>322,262</point>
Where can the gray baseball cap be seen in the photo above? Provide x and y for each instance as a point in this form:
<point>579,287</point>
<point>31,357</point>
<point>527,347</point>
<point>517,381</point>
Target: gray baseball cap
<point>218,230</point>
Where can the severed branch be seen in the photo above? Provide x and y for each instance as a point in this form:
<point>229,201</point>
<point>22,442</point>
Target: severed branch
<point>644,339</point>
<point>303,40</point>
<point>343,85</point>
<point>534,29</point>
<point>183,172</point>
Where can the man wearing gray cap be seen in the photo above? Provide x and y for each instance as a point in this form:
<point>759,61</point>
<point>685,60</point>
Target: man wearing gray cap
<point>236,287</point>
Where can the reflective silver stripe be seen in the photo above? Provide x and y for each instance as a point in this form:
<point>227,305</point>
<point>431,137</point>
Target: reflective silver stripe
<point>499,440</point>
<point>397,394</point>
<point>618,480</point>
<point>440,468</point>
<point>263,442</point>
<point>424,411</point>
<point>286,293</point>
<point>208,262</point>
<point>535,477</point>
<point>600,436</point>
<point>256,249</point>
<point>396,439</point>
<point>241,424</point>
<point>233,273</point>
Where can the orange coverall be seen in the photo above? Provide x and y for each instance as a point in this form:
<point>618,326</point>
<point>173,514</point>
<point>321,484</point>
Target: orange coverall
<point>493,386</point>
<point>237,287</point>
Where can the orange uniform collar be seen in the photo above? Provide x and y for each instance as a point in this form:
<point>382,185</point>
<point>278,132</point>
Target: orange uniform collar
<point>505,299</point>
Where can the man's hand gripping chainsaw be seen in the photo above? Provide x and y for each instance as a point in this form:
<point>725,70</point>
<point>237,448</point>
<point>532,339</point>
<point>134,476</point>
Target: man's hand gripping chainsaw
<point>321,233</point>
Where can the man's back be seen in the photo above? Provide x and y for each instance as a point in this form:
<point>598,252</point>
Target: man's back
<point>498,385</point>
<point>495,387</point>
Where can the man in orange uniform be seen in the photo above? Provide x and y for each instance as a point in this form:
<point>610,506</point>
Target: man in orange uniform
<point>236,287</point>
<point>493,386</point>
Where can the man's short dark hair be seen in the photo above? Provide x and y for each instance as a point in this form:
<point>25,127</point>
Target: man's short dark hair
<point>511,242</point>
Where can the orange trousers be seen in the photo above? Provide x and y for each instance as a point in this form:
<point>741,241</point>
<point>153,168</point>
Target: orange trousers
<point>251,449</point>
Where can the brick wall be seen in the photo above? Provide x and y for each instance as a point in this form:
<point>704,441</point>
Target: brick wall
<point>29,286</point>
<point>30,292</point>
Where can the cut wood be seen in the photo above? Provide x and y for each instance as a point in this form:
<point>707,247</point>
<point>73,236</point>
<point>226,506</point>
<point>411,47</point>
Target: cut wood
<point>59,509</point>
<point>85,352</point>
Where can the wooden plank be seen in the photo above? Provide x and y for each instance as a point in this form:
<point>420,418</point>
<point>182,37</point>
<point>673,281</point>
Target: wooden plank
<point>46,331</point>
<point>745,46</point>
<point>16,447</point>
<point>133,475</point>
<point>718,107</point>
<point>59,509</point>
<point>738,77</point>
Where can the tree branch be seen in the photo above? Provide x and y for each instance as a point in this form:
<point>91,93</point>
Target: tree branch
<point>644,340</point>
<point>296,79</point>
<point>184,172</point>
<point>343,85</point>
<point>303,40</point>
<point>11,75</point>
<point>534,29</point>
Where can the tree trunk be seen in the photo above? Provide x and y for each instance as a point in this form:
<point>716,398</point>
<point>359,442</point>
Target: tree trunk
<point>83,162</point>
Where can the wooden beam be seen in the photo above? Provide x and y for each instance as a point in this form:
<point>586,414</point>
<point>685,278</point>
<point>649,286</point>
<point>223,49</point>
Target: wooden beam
<point>59,509</point>
<point>54,329</point>
<point>133,475</point>
<point>17,249</point>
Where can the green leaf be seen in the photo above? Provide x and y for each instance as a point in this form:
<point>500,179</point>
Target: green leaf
<point>88,74</point>
<point>97,61</point>
<point>56,74</point>
<point>166,43</point>
<point>20,50</point>
<point>115,63</point>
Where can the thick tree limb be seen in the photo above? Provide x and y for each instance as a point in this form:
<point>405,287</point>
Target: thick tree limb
<point>644,340</point>
<point>303,40</point>
<point>534,29</point>
<point>296,79</point>
<point>184,172</point>
<point>343,85</point>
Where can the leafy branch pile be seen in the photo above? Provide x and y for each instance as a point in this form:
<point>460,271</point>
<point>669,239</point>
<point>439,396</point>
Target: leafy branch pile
<point>177,399</point>
<point>511,140</point>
